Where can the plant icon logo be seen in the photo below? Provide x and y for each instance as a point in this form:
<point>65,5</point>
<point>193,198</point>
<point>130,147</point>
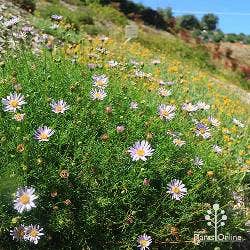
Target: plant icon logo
<point>216,218</point>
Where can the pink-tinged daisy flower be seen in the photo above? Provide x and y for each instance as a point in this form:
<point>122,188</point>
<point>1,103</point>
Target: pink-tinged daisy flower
<point>24,200</point>
<point>14,20</point>
<point>18,117</point>
<point>238,123</point>
<point>59,106</point>
<point>178,142</point>
<point>214,121</point>
<point>202,130</point>
<point>198,161</point>
<point>13,102</point>
<point>176,189</point>
<point>202,105</point>
<point>134,105</point>
<point>189,107</point>
<point>140,151</point>
<point>166,112</point>
<point>43,133</point>
<point>120,129</point>
<point>100,81</point>
<point>33,233</point>
<point>165,92</point>
<point>98,94</point>
<point>144,241</point>
<point>217,149</point>
<point>56,17</point>
<point>18,233</point>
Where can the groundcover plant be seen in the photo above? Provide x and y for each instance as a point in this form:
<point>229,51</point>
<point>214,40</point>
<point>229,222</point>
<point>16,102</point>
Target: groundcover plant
<point>111,145</point>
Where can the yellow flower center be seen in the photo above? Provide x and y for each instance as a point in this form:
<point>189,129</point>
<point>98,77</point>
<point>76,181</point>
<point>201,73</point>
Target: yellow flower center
<point>143,243</point>
<point>14,103</point>
<point>58,108</point>
<point>43,136</point>
<point>98,95</point>
<point>99,83</point>
<point>140,152</point>
<point>202,130</point>
<point>24,199</point>
<point>176,190</point>
<point>165,112</point>
<point>33,233</point>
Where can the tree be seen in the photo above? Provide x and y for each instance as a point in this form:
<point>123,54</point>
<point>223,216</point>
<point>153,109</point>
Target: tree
<point>189,22</point>
<point>167,13</point>
<point>168,16</point>
<point>209,21</point>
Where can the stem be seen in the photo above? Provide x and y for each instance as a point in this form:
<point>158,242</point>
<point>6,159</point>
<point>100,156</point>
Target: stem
<point>215,226</point>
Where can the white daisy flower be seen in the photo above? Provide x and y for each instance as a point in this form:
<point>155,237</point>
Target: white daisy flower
<point>139,73</point>
<point>189,107</point>
<point>112,63</point>
<point>161,82</point>
<point>179,142</point>
<point>238,123</point>
<point>13,102</point>
<point>217,149</point>
<point>140,151</point>
<point>202,130</point>
<point>134,62</point>
<point>103,38</point>
<point>18,117</point>
<point>18,233</point>
<point>198,161</point>
<point>55,26</point>
<point>202,105</point>
<point>98,94</point>
<point>214,121</point>
<point>59,106</point>
<point>43,133</point>
<point>33,233</point>
<point>134,105</point>
<point>100,81</point>
<point>170,83</point>
<point>24,200</point>
<point>176,189</point>
<point>166,112</point>
<point>165,92</point>
<point>144,241</point>
<point>156,61</point>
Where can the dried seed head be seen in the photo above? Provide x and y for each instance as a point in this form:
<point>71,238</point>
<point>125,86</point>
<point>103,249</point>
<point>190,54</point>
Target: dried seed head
<point>20,148</point>
<point>64,174</point>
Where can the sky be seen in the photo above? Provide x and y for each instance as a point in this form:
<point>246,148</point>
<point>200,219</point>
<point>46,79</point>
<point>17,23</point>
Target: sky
<point>234,15</point>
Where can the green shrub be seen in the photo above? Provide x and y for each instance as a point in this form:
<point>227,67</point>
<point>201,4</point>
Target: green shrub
<point>28,5</point>
<point>83,15</point>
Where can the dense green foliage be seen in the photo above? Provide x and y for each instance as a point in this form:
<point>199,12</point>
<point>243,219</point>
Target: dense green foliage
<point>189,22</point>
<point>209,21</point>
